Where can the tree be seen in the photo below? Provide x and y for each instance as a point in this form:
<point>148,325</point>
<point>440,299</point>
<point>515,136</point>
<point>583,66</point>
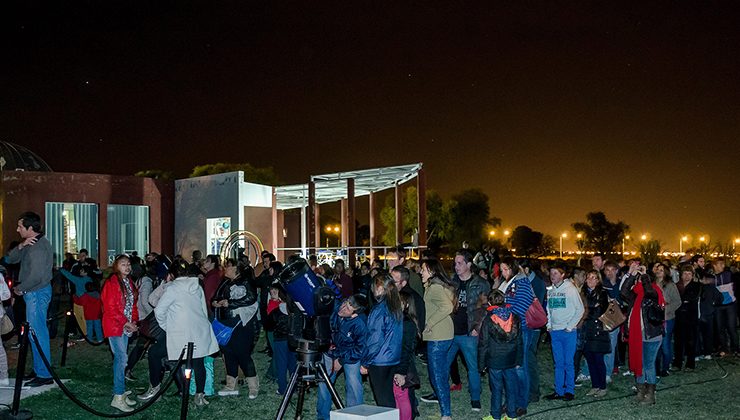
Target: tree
<point>156,174</point>
<point>265,176</point>
<point>599,234</point>
<point>438,220</point>
<point>470,215</point>
<point>525,240</point>
<point>650,251</point>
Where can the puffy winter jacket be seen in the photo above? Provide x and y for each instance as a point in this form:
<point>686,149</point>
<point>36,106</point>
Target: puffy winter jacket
<point>384,337</point>
<point>349,338</point>
<point>596,338</point>
<point>497,348</point>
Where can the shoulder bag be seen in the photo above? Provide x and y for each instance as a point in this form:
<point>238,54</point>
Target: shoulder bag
<point>613,316</point>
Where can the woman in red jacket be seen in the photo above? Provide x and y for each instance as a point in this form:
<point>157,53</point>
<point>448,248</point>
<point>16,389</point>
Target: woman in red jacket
<point>120,316</point>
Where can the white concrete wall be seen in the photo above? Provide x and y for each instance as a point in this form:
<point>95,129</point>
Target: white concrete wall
<point>201,198</point>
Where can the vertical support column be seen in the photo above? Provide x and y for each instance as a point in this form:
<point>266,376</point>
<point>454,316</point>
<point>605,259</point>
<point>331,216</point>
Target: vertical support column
<point>275,227</point>
<point>343,223</point>
<point>399,214</point>
<point>103,235</point>
<point>351,231</point>
<point>311,219</point>
<point>317,223</point>
<point>421,199</point>
<point>371,212</point>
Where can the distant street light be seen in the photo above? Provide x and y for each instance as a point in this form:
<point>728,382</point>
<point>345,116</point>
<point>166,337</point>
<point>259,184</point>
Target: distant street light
<point>702,238</point>
<point>623,238</point>
<point>680,244</point>
<point>644,237</point>
<point>562,235</point>
<point>492,233</point>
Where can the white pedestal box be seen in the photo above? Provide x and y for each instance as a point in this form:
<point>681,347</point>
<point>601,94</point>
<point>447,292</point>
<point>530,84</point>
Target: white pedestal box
<point>365,412</point>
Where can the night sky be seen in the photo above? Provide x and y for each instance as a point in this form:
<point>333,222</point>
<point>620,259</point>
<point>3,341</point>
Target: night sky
<point>554,110</point>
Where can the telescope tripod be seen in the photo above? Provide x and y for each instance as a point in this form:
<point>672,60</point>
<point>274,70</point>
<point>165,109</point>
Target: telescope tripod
<point>309,371</point>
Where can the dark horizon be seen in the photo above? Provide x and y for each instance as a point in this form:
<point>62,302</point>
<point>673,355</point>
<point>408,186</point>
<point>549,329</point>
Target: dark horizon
<point>553,111</point>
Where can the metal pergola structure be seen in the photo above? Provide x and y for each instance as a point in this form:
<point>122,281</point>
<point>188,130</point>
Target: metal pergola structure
<point>345,187</point>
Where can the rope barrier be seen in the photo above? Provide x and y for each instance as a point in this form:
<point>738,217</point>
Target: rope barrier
<point>595,401</point>
<point>89,409</point>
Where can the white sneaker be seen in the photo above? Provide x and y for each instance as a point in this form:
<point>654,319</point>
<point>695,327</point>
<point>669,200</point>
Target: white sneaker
<point>608,379</point>
<point>708,357</point>
<point>581,378</point>
<point>627,373</point>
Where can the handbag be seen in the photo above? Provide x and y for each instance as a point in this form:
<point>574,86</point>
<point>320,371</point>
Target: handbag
<point>149,327</point>
<point>655,313</point>
<point>536,316</point>
<point>6,325</point>
<point>613,316</point>
<point>222,332</point>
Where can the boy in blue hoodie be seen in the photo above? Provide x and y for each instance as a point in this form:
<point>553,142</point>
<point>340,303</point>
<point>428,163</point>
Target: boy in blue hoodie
<point>349,334</point>
<point>501,351</point>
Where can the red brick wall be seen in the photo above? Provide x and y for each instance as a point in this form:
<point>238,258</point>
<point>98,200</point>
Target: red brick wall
<point>29,191</point>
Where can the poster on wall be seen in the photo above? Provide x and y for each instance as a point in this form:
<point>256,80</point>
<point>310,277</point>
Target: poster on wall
<point>217,230</point>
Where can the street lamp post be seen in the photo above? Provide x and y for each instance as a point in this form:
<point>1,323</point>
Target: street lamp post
<point>623,238</point>
<point>563,235</point>
<point>680,244</point>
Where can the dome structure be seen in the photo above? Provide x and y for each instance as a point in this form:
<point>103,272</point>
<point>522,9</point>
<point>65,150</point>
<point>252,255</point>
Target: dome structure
<point>17,158</point>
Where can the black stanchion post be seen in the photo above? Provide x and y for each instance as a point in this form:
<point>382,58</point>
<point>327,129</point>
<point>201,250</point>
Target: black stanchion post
<point>186,383</point>
<point>67,329</point>
<point>15,411</point>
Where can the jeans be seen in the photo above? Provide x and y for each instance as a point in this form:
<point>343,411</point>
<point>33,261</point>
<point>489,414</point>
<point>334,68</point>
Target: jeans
<point>609,357</point>
<point>532,368</point>
<point>563,352</point>
<point>94,329</point>
<point>666,347</point>
<point>500,380</point>
<point>649,353</point>
<point>522,372</point>
<point>118,347</point>
<point>726,316</point>
<point>37,305</point>
<point>285,363</point>
<point>469,347</point>
<point>597,368</point>
<point>439,372</point>
<point>352,385</point>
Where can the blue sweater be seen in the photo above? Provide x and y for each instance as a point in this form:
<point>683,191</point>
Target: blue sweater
<point>384,337</point>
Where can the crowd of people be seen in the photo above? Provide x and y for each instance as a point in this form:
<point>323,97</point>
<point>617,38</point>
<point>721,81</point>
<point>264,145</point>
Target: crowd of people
<point>390,316</point>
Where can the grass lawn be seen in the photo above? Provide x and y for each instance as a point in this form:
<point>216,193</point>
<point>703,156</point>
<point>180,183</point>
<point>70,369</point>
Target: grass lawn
<point>701,394</point>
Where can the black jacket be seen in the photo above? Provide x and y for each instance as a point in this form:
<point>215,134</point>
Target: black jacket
<point>408,347</point>
<point>596,338</point>
<point>497,349</point>
<point>690,296</point>
<point>239,293</point>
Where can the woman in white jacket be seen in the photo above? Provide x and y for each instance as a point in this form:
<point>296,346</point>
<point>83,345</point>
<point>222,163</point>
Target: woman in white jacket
<point>181,312</point>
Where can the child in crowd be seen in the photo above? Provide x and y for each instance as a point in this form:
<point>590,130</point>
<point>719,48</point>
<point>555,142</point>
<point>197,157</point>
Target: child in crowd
<point>349,326</point>
<point>500,350</point>
<point>93,310</point>
<point>277,318</point>
<point>406,377</point>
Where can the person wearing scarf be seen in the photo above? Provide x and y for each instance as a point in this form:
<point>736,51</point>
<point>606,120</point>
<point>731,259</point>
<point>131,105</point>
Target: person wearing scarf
<point>644,336</point>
